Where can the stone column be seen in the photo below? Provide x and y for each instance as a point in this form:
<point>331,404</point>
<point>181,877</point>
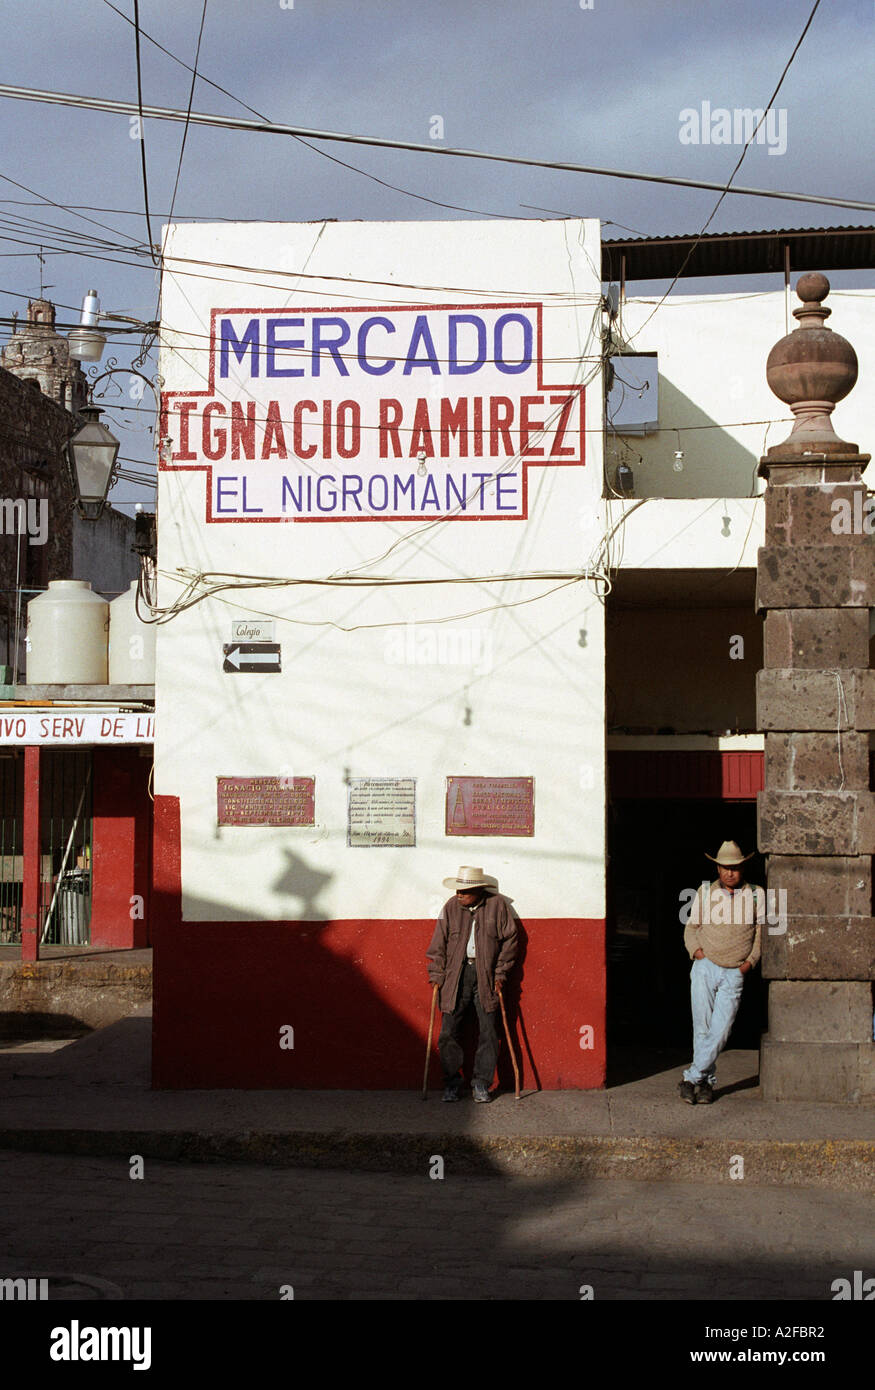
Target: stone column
<point>816,704</point>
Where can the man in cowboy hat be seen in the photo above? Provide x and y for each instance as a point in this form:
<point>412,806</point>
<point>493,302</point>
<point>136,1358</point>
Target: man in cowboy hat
<point>722,936</point>
<point>472,950</point>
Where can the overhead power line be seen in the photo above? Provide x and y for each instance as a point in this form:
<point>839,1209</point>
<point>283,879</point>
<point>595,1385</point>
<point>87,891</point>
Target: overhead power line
<point>750,141</point>
<point>728,188</point>
<point>140,131</point>
<point>194,77</point>
<point>63,208</point>
<point>323,154</point>
<point>165,113</point>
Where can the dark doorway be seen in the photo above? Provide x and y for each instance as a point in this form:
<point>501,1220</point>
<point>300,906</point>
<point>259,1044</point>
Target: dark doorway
<point>656,851</point>
<point>66,838</point>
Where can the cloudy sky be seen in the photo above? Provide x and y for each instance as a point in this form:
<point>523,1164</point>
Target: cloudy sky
<point>603,86</point>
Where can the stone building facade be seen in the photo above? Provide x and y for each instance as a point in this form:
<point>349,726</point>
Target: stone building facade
<point>36,352</point>
<point>36,544</point>
<point>42,536</point>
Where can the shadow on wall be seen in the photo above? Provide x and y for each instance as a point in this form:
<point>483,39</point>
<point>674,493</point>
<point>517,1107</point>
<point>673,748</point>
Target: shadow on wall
<point>299,880</point>
<point>714,463</point>
<point>299,1003</point>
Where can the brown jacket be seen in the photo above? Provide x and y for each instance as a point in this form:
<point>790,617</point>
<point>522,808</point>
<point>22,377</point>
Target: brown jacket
<point>495,947</point>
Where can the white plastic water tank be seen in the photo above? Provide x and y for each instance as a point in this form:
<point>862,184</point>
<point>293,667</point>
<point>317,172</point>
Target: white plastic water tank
<point>131,642</point>
<point>67,631</point>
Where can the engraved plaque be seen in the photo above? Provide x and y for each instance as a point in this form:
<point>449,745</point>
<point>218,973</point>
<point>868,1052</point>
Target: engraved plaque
<point>382,812</point>
<point>266,800</point>
<point>490,805</point>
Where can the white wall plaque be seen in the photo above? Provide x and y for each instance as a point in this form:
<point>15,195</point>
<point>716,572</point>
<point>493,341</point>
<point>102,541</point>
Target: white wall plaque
<point>382,812</point>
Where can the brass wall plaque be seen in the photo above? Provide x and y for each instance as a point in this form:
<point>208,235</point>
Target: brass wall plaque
<point>266,800</point>
<point>382,812</point>
<point>490,805</point>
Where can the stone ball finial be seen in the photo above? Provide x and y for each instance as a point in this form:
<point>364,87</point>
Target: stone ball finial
<point>811,369</point>
<point>812,287</point>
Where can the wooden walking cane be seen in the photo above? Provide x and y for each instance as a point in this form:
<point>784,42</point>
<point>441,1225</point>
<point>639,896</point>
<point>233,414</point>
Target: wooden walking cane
<point>516,1070</point>
<point>434,995</point>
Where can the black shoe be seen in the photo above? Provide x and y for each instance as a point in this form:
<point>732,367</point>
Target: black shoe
<point>687,1091</point>
<point>451,1093</point>
<point>704,1094</point>
<point>481,1092</point>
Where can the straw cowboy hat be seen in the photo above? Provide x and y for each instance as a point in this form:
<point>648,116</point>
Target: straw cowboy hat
<point>470,878</point>
<point>729,855</point>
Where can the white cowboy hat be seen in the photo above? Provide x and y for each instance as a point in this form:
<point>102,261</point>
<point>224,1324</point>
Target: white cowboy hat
<point>729,855</point>
<point>470,878</point>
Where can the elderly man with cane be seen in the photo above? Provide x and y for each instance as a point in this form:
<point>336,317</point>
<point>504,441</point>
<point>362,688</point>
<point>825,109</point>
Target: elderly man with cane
<point>471,953</point>
<point>722,937</point>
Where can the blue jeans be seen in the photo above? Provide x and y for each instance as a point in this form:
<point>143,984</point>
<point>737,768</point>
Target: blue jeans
<point>715,994</point>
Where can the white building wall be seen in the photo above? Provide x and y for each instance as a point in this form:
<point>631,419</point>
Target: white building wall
<point>714,401</point>
<point>523,692</point>
<point>687,533</point>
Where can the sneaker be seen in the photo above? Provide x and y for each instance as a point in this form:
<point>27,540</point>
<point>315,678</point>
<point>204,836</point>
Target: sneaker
<point>687,1092</point>
<point>704,1093</point>
<point>481,1092</point>
<point>451,1093</point>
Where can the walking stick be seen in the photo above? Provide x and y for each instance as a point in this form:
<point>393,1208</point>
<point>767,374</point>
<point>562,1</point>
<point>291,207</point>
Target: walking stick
<point>516,1070</point>
<point>434,995</point>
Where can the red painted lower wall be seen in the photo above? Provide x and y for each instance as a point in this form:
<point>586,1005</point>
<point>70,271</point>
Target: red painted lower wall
<point>355,994</point>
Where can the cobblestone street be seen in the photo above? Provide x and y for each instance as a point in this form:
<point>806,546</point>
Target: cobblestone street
<point>243,1232</point>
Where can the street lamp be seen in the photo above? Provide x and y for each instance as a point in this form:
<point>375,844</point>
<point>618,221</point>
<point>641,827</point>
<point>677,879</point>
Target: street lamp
<point>90,457</point>
<point>87,342</point>
<point>92,452</point>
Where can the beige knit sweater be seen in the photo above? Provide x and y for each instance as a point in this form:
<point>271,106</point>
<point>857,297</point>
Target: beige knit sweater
<point>726,925</point>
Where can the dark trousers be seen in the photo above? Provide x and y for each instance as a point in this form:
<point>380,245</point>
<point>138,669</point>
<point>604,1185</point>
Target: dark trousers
<point>449,1046</point>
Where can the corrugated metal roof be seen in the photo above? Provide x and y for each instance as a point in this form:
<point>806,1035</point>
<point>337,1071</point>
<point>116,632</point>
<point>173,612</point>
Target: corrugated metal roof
<point>740,253</point>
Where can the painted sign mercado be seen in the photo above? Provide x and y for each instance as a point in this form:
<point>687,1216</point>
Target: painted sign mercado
<point>374,414</point>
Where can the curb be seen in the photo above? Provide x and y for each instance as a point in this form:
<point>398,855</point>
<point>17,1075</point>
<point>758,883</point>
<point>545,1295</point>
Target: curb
<point>838,1164</point>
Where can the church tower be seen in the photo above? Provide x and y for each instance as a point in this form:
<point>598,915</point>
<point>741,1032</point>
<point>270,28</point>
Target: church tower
<point>35,352</point>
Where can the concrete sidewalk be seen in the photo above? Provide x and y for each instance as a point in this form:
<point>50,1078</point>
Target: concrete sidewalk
<point>93,1096</point>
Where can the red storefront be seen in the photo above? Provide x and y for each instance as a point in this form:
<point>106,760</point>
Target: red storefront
<point>75,828</point>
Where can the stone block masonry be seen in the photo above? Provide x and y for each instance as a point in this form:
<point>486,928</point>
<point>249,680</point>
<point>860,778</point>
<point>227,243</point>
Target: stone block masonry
<point>816,705</point>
